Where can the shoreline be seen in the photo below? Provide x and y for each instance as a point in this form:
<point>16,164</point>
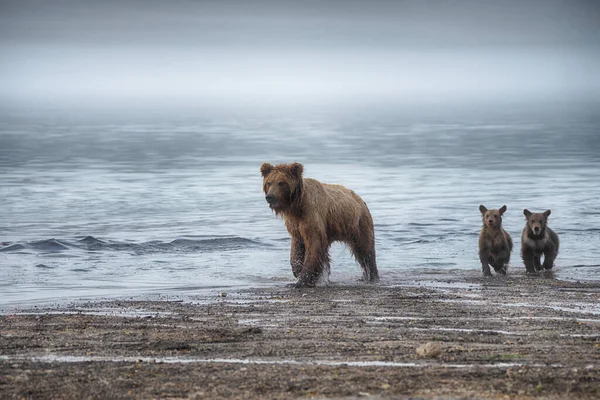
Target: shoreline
<point>414,277</point>
<point>517,336</point>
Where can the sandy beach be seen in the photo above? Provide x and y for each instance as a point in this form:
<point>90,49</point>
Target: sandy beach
<point>514,337</point>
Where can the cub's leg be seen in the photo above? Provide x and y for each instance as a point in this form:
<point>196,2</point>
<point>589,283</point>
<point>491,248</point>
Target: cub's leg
<point>484,257</point>
<point>549,257</point>
<point>501,263</point>
<point>528,259</point>
<point>536,262</point>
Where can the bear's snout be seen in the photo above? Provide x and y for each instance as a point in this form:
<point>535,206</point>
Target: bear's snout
<point>271,199</point>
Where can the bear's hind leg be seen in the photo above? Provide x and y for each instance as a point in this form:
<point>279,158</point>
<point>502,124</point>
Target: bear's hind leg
<point>501,263</point>
<point>500,267</point>
<point>362,245</point>
<point>368,264</point>
<point>549,257</point>
<point>537,263</point>
<point>364,253</point>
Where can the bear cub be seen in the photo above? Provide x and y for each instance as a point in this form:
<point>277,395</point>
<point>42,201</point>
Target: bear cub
<point>538,239</point>
<point>495,244</point>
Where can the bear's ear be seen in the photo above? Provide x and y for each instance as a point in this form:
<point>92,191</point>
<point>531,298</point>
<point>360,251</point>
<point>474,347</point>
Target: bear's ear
<point>265,169</point>
<point>502,209</point>
<point>526,212</point>
<point>296,170</point>
<point>547,213</point>
<point>482,209</point>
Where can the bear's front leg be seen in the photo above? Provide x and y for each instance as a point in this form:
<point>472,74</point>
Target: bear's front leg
<point>484,257</point>
<point>297,254</point>
<point>528,259</point>
<point>315,258</point>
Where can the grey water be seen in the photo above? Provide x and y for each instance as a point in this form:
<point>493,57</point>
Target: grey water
<point>168,202</point>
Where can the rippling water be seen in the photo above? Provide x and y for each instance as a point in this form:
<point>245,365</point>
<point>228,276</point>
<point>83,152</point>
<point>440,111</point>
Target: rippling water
<point>170,203</point>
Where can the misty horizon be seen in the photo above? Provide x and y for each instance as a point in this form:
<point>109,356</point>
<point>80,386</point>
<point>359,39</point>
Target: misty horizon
<point>297,53</point>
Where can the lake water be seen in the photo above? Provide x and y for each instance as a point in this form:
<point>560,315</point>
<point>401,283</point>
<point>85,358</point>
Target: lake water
<point>161,203</point>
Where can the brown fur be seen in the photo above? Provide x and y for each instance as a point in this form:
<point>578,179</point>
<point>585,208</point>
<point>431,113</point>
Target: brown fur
<point>317,214</point>
<point>538,239</point>
<point>495,244</point>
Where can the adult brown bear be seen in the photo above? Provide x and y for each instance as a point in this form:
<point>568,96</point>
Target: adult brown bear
<point>317,214</point>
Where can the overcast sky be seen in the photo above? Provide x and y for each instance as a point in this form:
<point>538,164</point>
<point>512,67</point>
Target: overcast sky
<point>296,51</point>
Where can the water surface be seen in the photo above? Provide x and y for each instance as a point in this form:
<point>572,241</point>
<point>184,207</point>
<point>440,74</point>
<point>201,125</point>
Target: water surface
<point>121,204</point>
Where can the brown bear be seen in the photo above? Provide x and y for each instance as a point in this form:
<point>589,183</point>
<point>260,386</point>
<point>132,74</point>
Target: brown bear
<point>495,244</point>
<point>538,239</point>
<point>317,214</point>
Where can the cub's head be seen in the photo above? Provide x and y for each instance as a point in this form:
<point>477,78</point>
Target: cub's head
<point>536,222</point>
<point>492,218</point>
<point>282,184</point>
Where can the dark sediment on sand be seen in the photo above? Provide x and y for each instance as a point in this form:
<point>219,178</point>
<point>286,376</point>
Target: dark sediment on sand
<point>517,336</point>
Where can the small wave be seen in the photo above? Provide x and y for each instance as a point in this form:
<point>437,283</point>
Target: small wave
<point>559,231</point>
<point>408,240</point>
<point>193,245</point>
<point>230,241</point>
<point>90,240</point>
<point>12,247</point>
<point>90,243</point>
<point>436,264</point>
<point>50,245</point>
<point>282,239</point>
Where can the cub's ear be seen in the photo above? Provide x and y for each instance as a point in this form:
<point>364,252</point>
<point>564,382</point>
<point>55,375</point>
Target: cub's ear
<point>502,209</point>
<point>265,169</point>
<point>296,170</point>
<point>547,213</point>
<point>482,209</point>
<point>526,212</point>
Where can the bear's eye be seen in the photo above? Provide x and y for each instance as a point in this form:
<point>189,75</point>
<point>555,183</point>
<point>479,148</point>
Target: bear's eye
<point>281,183</point>
<point>268,184</point>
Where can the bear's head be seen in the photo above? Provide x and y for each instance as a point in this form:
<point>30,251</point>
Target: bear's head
<point>282,185</point>
<point>492,218</point>
<point>536,222</point>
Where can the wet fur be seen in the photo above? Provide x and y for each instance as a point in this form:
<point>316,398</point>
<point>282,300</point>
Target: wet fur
<point>495,244</point>
<point>533,245</point>
<point>317,214</point>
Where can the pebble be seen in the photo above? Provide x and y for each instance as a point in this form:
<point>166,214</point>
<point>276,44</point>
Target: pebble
<point>429,350</point>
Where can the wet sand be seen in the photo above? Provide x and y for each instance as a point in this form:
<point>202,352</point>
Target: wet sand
<point>514,337</point>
